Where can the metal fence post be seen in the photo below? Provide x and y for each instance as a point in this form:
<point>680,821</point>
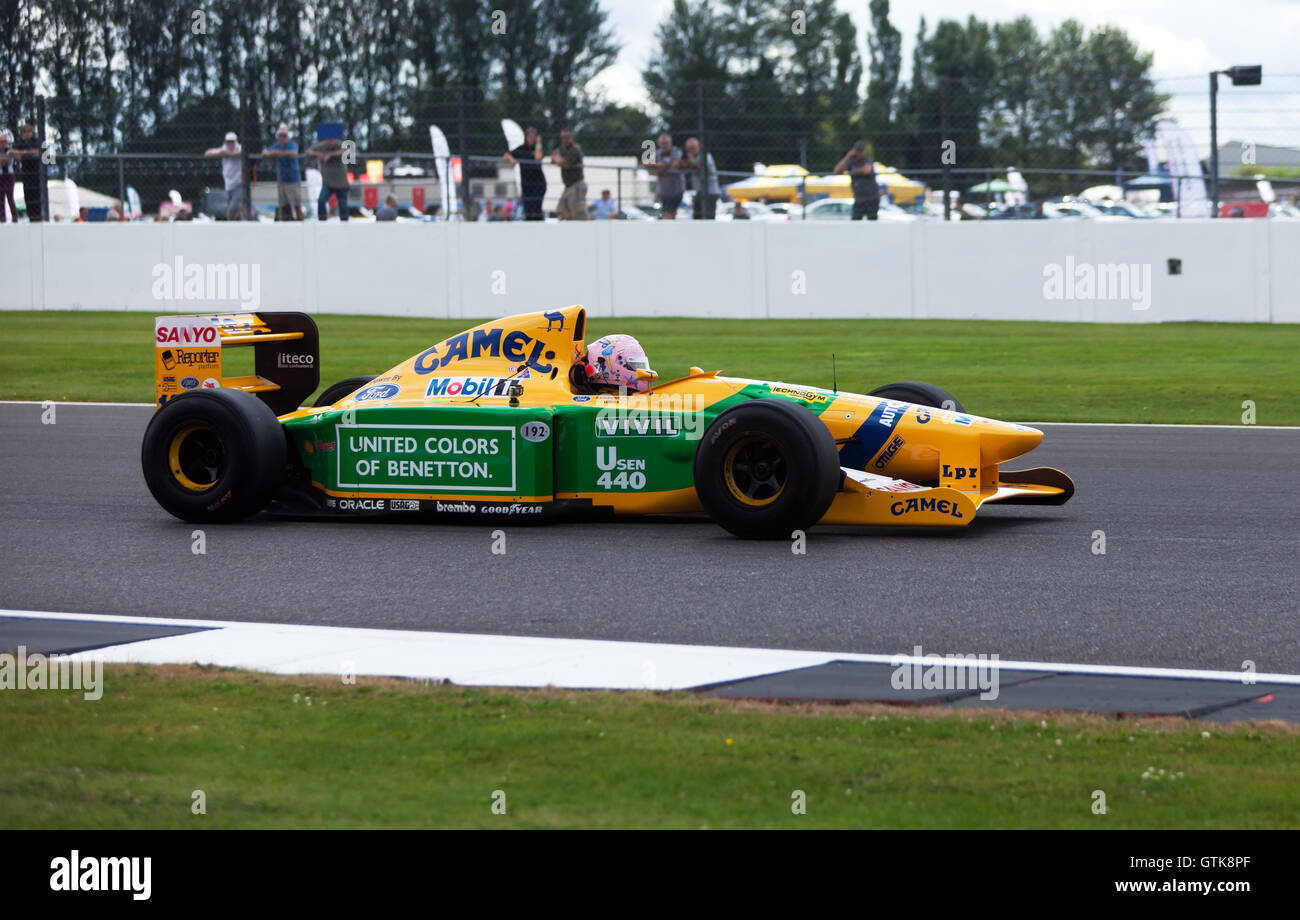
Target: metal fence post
<point>40,168</point>
<point>943,139</point>
<point>464,156</point>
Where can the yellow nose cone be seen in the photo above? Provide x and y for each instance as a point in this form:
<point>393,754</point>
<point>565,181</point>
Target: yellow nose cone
<point>1002,441</point>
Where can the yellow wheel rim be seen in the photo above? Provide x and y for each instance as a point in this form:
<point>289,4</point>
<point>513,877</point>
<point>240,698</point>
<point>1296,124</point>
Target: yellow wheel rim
<point>755,472</point>
<point>195,457</point>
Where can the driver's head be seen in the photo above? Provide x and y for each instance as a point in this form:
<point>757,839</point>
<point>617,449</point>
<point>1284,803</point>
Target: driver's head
<point>614,360</point>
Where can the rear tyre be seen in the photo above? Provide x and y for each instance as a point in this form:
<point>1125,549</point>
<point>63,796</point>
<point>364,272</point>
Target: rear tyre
<point>337,391</point>
<point>214,455</point>
<point>766,468</point>
<point>922,394</point>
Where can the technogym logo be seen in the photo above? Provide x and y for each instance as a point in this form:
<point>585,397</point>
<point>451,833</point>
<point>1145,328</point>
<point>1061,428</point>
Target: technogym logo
<point>1099,281</point>
<point>54,672</point>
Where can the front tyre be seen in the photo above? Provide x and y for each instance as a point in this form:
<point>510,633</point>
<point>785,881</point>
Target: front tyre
<point>766,468</point>
<point>214,455</point>
<point>922,394</point>
<point>337,391</point>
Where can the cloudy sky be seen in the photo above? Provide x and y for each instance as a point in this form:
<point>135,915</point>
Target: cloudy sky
<point>1188,37</point>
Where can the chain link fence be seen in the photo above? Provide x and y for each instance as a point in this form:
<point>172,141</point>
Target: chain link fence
<point>795,141</point>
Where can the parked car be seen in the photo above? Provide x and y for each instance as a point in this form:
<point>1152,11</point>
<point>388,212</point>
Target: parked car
<point>1014,212</point>
<point>1121,209</point>
<point>754,209</point>
<point>842,209</point>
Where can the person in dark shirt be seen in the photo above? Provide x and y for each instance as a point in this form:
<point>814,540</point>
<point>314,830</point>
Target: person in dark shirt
<point>532,182</point>
<point>334,177</point>
<point>862,174</point>
<point>28,151</point>
<point>7,178</point>
<point>568,156</point>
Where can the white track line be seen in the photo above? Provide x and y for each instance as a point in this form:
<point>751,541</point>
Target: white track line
<point>1159,425</point>
<point>518,661</point>
<point>60,402</point>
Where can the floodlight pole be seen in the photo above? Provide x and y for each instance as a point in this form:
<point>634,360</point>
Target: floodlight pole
<point>1242,75</point>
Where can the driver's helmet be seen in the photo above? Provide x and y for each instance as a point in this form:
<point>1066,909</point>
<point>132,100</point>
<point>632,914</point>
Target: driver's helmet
<point>614,360</point>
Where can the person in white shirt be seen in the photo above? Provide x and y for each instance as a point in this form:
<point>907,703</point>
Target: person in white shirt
<point>232,172</point>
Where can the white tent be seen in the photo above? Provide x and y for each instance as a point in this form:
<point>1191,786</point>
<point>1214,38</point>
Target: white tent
<point>67,198</point>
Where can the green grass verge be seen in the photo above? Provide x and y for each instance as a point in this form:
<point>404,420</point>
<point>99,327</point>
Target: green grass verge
<point>310,752</point>
<point>1174,372</point>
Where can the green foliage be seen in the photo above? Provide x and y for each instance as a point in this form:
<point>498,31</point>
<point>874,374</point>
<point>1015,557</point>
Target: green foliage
<point>154,76</point>
<point>312,752</point>
<point>1082,372</point>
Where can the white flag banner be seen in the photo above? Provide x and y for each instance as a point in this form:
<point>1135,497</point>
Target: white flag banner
<point>1189,189</point>
<point>514,140</point>
<point>446,184</point>
<point>1153,155</point>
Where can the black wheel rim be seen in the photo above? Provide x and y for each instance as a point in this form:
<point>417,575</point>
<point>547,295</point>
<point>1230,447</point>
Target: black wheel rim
<point>755,471</point>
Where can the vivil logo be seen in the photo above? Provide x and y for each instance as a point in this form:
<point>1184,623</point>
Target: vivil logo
<point>515,346</point>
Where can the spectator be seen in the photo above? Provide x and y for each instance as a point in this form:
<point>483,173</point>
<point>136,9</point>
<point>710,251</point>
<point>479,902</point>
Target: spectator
<point>672,183</point>
<point>389,210</point>
<point>232,172</point>
<point>738,212</point>
<point>7,173</point>
<point>532,182</point>
<point>606,206</point>
<point>568,156</point>
<point>83,215</point>
<point>698,163</point>
<point>28,148</point>
<point>334,177</point>
<point>862,174</point>
<point>288,176</point>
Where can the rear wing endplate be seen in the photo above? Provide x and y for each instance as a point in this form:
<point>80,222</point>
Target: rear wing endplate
<point>286,356</point>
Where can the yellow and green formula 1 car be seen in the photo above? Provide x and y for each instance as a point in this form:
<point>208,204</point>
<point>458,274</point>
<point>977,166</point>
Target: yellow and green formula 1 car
<point>503,422</point>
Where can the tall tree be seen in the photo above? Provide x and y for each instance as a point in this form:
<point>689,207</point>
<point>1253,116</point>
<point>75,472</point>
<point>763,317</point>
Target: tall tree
<point>1015,125</point>
<point>885,44</point>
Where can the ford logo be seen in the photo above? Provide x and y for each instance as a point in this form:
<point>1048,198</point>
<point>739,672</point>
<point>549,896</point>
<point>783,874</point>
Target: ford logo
<point>379,391</point>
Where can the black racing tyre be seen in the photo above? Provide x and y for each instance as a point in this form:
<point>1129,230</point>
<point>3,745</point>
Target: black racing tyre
<point>923,394</point>
<point>214,455</point>
<point>766,468</point>
<point>334,392</point>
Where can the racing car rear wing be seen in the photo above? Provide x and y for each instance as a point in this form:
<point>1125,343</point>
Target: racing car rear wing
<point>286,348</point>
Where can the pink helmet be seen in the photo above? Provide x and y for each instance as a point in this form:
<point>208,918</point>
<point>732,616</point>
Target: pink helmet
<point>614,360</point>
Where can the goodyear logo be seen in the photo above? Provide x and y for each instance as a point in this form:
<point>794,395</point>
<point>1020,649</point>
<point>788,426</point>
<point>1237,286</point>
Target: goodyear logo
<point>514,345</point>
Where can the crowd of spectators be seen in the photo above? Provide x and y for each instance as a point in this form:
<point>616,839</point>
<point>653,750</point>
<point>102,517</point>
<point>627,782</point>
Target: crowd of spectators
<point>678,170</point>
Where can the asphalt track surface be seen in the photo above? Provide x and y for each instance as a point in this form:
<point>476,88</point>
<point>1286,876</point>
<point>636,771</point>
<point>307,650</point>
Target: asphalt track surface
<point>1200,569</point>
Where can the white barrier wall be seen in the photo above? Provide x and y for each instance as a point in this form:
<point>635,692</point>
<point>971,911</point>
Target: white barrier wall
<point>1231,270</point>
